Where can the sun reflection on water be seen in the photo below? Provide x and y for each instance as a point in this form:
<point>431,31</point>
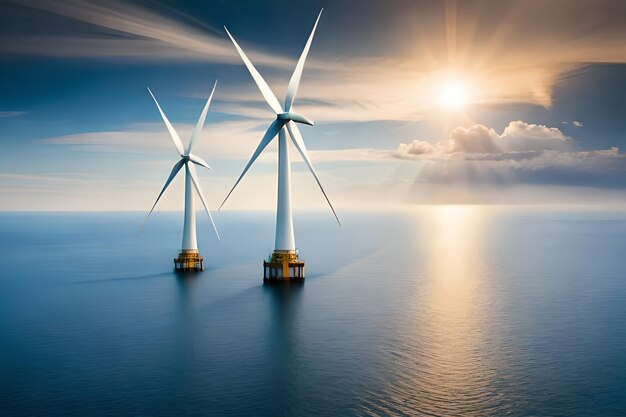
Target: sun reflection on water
<point>441,361</point>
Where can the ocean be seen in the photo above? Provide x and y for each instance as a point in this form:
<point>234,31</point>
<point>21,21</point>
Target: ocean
<point>433,311</point>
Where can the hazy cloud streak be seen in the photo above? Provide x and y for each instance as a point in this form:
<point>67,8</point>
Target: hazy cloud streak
<point>135,32</point>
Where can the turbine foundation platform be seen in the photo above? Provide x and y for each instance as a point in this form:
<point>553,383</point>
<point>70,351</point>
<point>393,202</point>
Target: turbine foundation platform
<point>283,266</point>
<point>189,260</point>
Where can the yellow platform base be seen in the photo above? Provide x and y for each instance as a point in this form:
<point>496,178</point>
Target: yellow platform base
<point>189,260</point>
<point>283,266</point>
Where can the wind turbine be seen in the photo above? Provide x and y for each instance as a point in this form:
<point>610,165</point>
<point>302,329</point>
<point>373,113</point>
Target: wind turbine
<point>189,257</point>
<point>284,263</point>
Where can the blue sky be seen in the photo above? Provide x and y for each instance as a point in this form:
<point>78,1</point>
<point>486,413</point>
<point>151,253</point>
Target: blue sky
<point>539,117</point>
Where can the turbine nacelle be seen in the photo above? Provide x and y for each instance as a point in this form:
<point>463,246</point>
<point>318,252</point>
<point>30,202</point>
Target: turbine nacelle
<point>287,116</point>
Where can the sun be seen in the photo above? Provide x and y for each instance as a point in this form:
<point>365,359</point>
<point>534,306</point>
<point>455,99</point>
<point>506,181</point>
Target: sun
<point>453,95</point>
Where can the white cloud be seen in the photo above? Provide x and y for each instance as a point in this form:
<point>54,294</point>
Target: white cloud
<point>223,140</point>
<point>522,136</point>
<point>574,123</point>
<point>475,139</point>
<point>518,140</point>
<point>227,140</point>
<point>524,153</point>
<point>414,149</point>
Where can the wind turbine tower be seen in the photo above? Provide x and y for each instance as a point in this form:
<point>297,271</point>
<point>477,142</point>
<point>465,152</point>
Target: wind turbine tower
<point>284,264</point>
<point>189,258</point>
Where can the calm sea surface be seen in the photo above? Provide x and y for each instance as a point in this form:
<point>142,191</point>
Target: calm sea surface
<point>442,311</point>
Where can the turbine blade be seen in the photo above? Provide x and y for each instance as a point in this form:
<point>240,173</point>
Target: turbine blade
<point>270,134</point>
<point>196,132</point>
<point>175,170</point>
<point>297,73</point>
<point>198,161</point>
<point>260,82</point>
<point>170,128</point>
<point>296,137</point>
<point>196,183</point>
